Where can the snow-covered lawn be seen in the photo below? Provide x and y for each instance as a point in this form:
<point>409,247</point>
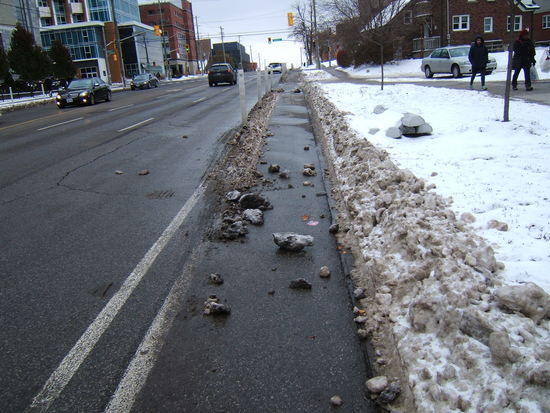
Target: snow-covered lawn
<point>409,69</point>
<point>449,233</point>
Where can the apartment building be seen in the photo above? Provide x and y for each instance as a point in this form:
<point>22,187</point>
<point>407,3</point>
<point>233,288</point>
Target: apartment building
<point>18,11</point>
<point>178,33</point>
<point>86,28</point>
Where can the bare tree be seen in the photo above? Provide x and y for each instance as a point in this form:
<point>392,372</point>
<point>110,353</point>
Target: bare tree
<point>303,29</point>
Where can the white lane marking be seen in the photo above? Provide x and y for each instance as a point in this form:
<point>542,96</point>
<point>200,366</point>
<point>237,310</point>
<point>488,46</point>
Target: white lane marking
<point>135,125</point>
<point>162,96</point>
<point>199,100</point>
<point>174,90</point>
<point>59,124</point>
<point>85,344</point>
<point>148,351</point>
<point>120,107</point>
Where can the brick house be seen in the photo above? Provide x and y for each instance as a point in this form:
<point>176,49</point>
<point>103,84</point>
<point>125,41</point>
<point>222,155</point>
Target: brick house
<point>541,26</point>
<point>179,33</point>
<point>423,25</point>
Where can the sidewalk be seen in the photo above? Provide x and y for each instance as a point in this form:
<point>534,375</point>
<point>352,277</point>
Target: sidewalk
<point>280,350</point>
<point>540,94</point>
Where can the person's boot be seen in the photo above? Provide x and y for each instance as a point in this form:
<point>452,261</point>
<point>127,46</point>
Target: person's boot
<point>471,86</point>
<point>515,87</point>
<point>529,88</point>
<point>483,87</point>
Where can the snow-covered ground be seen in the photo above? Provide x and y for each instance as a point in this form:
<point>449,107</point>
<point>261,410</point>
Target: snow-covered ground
<point>409,69</point>
<point>452,237</point>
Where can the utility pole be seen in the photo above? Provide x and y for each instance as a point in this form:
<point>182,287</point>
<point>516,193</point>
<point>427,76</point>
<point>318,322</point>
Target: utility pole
<point>197,44</point>
<point>164,57</point>
<point>117,40</point>
<point>506,115</point>
<point>223,44</point>
<point>316,35</point>
<point>240,54</point>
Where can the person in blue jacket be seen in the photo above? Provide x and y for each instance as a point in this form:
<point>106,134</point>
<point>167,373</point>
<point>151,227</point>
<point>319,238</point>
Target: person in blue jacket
<point>479,57</point>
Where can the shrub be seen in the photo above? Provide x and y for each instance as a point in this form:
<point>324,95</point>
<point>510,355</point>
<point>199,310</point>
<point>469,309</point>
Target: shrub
<point>343,58</point>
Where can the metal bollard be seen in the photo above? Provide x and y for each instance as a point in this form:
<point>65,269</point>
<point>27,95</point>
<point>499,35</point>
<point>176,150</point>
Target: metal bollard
<point>259,84</point>
<point>242,95</point>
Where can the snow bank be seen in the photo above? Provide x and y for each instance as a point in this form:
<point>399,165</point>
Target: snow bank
<point>409,69</point>
<point>440,316</point>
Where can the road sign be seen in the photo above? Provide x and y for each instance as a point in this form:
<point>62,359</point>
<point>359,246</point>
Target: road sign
<point>277,40</point>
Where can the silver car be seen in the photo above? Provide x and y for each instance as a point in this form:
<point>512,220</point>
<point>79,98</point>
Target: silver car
<point>453,60</point>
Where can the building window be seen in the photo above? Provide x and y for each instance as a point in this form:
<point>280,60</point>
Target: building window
<point>77,18</point>
<point>45,21</point>
<point>517,23</point>
<point>408,17</point>
<point>86,72</point>
<point>488,25</point>
<point>42,3</point>
<point>461,23</point>
<point>546,21</point>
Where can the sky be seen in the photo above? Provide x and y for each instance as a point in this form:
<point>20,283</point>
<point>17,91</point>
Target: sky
<point>246,18</point>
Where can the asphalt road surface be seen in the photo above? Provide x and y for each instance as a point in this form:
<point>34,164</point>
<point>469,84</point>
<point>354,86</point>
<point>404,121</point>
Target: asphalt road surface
<point>75,235</point>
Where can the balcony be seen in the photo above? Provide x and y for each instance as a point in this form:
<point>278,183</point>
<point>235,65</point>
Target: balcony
<point>77,8</point>
<point>426,44</point>
<point>45,12</point>
<point>423,9</point>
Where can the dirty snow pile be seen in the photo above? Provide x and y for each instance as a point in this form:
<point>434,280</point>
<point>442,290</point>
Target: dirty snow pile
<point>460,325</point>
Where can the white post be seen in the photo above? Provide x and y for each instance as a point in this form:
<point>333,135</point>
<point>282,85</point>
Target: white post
<point>259,84</point>
<point>43,91</point>
<point>11,94</point>
<point>242,95</point>
<point>266,80</point>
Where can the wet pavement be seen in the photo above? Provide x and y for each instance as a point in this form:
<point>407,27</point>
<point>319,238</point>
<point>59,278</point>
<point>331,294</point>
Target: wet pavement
<point>280,350</point>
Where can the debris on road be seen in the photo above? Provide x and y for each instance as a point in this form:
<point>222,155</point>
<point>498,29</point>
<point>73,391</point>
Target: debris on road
<point>300,284</point>
<point>324,272</point>
<point>312,223</point>
<point>233,196</point>
<point>334,228</point>
<point>254,201</point>
<point>233,227</point>
<point>306,148</point>
<point>215,279</point>
<point>254,216</point>
<point>291,241</point>
<point>336,401</point>
<point>117,172</point>
<point>212,306</point>
<point>284,174</point>
<point>359,293</point>
<point>307,183</point>
<point>144,172</point>
<point>273,168</point>
<point>185,137</point>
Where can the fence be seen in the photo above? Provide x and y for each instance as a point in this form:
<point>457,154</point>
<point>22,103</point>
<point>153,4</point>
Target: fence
<point>422,44</point>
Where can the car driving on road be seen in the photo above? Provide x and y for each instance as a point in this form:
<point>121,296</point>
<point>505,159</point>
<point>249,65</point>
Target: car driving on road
<point>452,60</point>
<point>222,73</point>
<point>275,68</point>
<point>144,81</point>
<point>83,92</point>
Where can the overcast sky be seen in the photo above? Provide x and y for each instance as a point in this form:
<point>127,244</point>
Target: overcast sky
<point>248,18</point>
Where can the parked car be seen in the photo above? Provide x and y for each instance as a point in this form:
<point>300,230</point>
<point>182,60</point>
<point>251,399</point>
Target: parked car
<point>275,68</point>
<point>453,60</point>
<point>222,73</point>
<point>83,92</point>
<point>144,81</point>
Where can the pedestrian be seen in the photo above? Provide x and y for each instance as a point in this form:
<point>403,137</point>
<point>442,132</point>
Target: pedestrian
<point>479,57</point>
<point>524,57</point>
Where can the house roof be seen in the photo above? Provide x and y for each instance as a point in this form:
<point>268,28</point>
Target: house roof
<point>544,6</point>
<point>527,5</point>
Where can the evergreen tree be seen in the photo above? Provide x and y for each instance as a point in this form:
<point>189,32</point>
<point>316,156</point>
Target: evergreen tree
<point>26,58</point>
<point>62,64</point>
<point>4,65</point>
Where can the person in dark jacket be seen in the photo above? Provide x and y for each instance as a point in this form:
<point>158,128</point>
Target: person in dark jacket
<point>479,57</point>
<point>524,57</point>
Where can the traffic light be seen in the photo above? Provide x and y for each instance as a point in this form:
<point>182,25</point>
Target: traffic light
<point>290,18</point>
<point>156,30</point>
<point>187,48</point>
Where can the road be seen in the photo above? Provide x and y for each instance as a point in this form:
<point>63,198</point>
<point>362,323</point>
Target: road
<point>75,235</point>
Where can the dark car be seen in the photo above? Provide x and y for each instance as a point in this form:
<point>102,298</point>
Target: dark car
<point>144,81</point>
<point>83,92</point>
<point>222,73</point>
